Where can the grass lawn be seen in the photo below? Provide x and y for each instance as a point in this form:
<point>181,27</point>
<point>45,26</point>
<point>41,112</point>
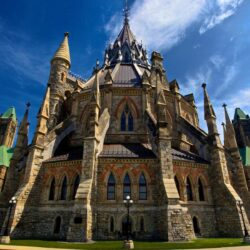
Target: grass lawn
<point>100,245</point>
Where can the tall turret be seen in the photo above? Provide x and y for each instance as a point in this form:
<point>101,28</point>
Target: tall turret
<point>60,65</point>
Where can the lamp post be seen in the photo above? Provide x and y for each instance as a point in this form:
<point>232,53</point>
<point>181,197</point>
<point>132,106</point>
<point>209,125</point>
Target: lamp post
<point>12,203</point>
<point>240,204</point>
<point>128,244</point>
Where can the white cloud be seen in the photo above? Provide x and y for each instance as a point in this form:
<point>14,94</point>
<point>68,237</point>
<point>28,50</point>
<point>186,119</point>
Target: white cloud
<point>222,10</point>
<point>229,75</point>
<point>217,61</point>
<point>161,24</point>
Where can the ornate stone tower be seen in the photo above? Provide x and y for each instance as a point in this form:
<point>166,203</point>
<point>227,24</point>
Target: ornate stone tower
<point>60,65</point>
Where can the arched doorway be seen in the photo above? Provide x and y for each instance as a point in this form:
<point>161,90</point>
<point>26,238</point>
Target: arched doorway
<point>126,225</point>
<point>196,226</point>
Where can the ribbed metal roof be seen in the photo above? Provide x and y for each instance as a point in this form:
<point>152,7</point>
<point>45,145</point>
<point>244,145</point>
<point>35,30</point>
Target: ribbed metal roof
<point>126,74</point>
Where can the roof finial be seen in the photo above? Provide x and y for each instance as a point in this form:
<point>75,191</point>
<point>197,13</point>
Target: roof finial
<point>126,12</point>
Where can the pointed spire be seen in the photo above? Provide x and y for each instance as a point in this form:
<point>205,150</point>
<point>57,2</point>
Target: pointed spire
<point>63,50</point>
<point>208,108</point>
<point>226,144</point>
<point>24,125</point>
<point>96,85</point>
<point>230,133</point>
<point>126,12</point>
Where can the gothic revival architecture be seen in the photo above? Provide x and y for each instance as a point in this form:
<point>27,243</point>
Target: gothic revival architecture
<point>125,131</point>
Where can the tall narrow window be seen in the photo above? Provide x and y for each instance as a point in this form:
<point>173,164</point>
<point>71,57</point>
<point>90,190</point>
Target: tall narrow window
<point>177,184</point>
<point>111,225</point>
<point>52,190</point>
<point>126,187</point>
<point>130,122</point>
<point>201,190</point>
<point>64,189</point>
<point>127,120</point>
<point>142,188</point>
<point>57,225</point>
<point>189,190</point>
<point>75,187</point>
<point>111,188</point>
<point>142,224</point>
<point>123,122</point>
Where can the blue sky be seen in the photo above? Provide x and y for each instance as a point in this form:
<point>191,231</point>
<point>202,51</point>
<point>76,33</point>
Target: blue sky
<point>201,41</point>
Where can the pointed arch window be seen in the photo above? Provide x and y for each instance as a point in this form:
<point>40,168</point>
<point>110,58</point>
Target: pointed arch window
<point>111,187</point>
<point>189,191</point>
<point>142,188</point>
<point>127,119</point>
<point>64,189</point>
<point>75,186</point>
<point>52,190</point>
<point>201,190</point>
<point>177,184</point>
<point>126,187</point>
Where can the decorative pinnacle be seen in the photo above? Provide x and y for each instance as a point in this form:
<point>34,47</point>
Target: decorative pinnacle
<point>66,34</point>
<point>204,85</point>
<point>126,11</point>
<point>28,105</point>
<point>224,105</point>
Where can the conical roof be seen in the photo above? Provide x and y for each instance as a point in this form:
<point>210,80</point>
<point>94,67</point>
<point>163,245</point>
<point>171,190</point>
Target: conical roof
<point>63,50</point>
<point>239,114</point>
<point>10,113</point>
<point>126,34</point>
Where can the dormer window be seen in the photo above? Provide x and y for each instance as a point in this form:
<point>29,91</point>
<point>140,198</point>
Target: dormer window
<point>127,120</point>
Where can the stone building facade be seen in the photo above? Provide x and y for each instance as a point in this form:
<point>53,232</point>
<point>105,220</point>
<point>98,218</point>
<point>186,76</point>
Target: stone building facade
<point>125,131</point>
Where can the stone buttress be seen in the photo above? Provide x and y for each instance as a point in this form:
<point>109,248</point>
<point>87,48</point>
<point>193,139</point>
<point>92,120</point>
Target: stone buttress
<point>228,215</point>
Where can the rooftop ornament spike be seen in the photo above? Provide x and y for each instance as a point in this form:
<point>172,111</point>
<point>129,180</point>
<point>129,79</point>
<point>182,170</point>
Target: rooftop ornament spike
<point>224,105</point>
<point>28,105</point>
<point>204,85</point>
<point>126,12</point>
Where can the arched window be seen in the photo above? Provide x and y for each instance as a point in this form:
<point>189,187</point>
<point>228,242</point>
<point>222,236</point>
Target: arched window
<point>52,190</point>
<point>57,225</point>
<point>64,189</point>
<point>142,224</point>
<point>177,184</point>
<point>111,188</point>
<point>189,190</point>
<point>196,226</point>
<point>111,224</point>
<point>127,120</point>
<point>201,190</point>
<point>126,187</point>
<point>142,188</point>
<point>75,186</point>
